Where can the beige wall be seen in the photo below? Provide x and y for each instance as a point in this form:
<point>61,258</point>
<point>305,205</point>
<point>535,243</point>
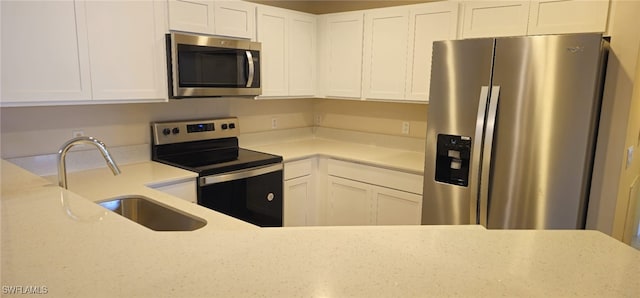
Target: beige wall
<point>630,175</point>
<point>41,130</point>
<point>376,117</point>
<point>618,127</point>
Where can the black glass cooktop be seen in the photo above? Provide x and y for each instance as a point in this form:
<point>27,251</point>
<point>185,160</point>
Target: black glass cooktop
<point>215,162</point>
<point>209,157</point>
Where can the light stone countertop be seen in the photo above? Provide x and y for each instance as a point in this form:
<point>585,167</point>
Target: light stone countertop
<point>394,159</point>
<point>57,239</point>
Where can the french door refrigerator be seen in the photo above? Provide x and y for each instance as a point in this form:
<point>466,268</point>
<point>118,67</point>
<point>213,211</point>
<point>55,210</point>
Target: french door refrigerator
<point>511,131</point>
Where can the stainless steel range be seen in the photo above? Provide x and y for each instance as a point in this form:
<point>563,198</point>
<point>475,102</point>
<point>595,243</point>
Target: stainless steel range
<point>242,183</point>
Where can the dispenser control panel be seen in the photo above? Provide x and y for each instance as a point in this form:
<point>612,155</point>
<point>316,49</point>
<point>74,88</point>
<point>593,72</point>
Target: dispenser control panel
<point>453,158</point>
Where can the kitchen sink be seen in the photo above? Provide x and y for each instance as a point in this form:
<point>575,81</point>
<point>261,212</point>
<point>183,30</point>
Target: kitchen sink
<point>152,214</point>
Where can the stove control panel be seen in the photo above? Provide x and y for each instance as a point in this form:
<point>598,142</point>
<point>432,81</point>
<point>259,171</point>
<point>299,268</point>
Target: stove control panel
<point>171,132</point>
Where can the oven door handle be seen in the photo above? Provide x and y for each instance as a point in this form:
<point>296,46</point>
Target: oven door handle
<point>240,174</point>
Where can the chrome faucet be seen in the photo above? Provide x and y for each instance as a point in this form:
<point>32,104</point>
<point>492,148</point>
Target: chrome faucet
<point>62,154</point>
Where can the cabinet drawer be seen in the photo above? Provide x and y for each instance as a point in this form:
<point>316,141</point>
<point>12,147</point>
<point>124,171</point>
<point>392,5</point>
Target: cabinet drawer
<point>297,169</point>
<point>377,176</point>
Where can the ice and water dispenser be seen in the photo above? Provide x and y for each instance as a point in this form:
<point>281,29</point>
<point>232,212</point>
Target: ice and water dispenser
<point>452,159</point>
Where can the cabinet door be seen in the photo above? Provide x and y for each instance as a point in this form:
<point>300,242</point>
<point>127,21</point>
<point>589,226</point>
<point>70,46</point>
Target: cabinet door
<point>302,55</point>
<point>395,207</point>
<point>427,23</point>
<point>344,54</point>
<point>44,53</point>
<point>127,55</point>
<point>186,190</point>
<point>273,34</point>
<point>192,16</point>
<point>567,16</point>
<point>495,18</point>
<point>235,18</point>
<point>349,203</point>
<point>385,53</point>
<point>297,193</point>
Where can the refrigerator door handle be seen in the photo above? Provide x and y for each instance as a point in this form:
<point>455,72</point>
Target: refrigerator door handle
<point>477,144</point>
<point>486,155</point>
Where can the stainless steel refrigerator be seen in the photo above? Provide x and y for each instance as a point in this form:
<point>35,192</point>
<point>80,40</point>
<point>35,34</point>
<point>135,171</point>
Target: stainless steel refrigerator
<point>511,131</point>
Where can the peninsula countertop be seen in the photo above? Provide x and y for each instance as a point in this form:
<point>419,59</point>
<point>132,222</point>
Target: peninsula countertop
<point>60,240</point>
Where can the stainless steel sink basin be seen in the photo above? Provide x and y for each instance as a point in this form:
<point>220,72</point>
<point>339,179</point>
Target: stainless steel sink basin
<point>152,214</point>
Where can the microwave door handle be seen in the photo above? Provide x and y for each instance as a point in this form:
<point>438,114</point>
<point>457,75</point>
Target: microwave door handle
<point>251,68</point>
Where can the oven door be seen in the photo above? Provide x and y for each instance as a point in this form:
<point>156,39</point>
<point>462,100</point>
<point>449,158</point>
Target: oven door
<point>253,195</point>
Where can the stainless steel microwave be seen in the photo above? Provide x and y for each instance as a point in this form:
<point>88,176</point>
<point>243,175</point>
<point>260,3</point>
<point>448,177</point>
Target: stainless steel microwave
<point>205,66</point>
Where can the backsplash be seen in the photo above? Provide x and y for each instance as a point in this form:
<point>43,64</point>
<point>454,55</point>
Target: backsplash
<point>31,131</point>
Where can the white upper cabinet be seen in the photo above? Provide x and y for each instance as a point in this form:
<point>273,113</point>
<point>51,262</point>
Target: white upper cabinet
<point>191,16</point>
<point>385,53</point>
<point>302,55</point>
<point>533,17</point>
<point>427,23</point>
<point>342,55</point>
<point>52,67</point>
<point>495,18</point>
<point>235,18</point>
<point>81,54</point>
<point>228,18</point>
<point>567,16</point>
<point>273,35</point>
<point>288,52</point>
<point>126,56</point>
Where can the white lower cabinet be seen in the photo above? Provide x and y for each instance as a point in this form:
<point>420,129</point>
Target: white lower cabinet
<point>299,203</point>
<point>364,195</point>
<point>297,196</point>
<point>348,203</point>
<point>394,207</point>
<point>185,189</point>
<point>332,192</point>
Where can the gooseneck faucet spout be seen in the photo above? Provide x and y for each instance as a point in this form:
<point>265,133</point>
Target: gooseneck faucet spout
<point>62,154</point>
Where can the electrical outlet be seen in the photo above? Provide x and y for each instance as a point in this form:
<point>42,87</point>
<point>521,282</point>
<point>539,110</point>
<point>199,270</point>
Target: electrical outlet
<point>274,123</point>
<point>405,128</point>
<point>77,133</point>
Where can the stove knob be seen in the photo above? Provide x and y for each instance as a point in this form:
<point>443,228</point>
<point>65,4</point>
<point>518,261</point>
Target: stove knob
<point>224,126</point>
<point>232,125</point>
<point>166,131</point>
<point>270,197</point>
<point>175,130</point>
